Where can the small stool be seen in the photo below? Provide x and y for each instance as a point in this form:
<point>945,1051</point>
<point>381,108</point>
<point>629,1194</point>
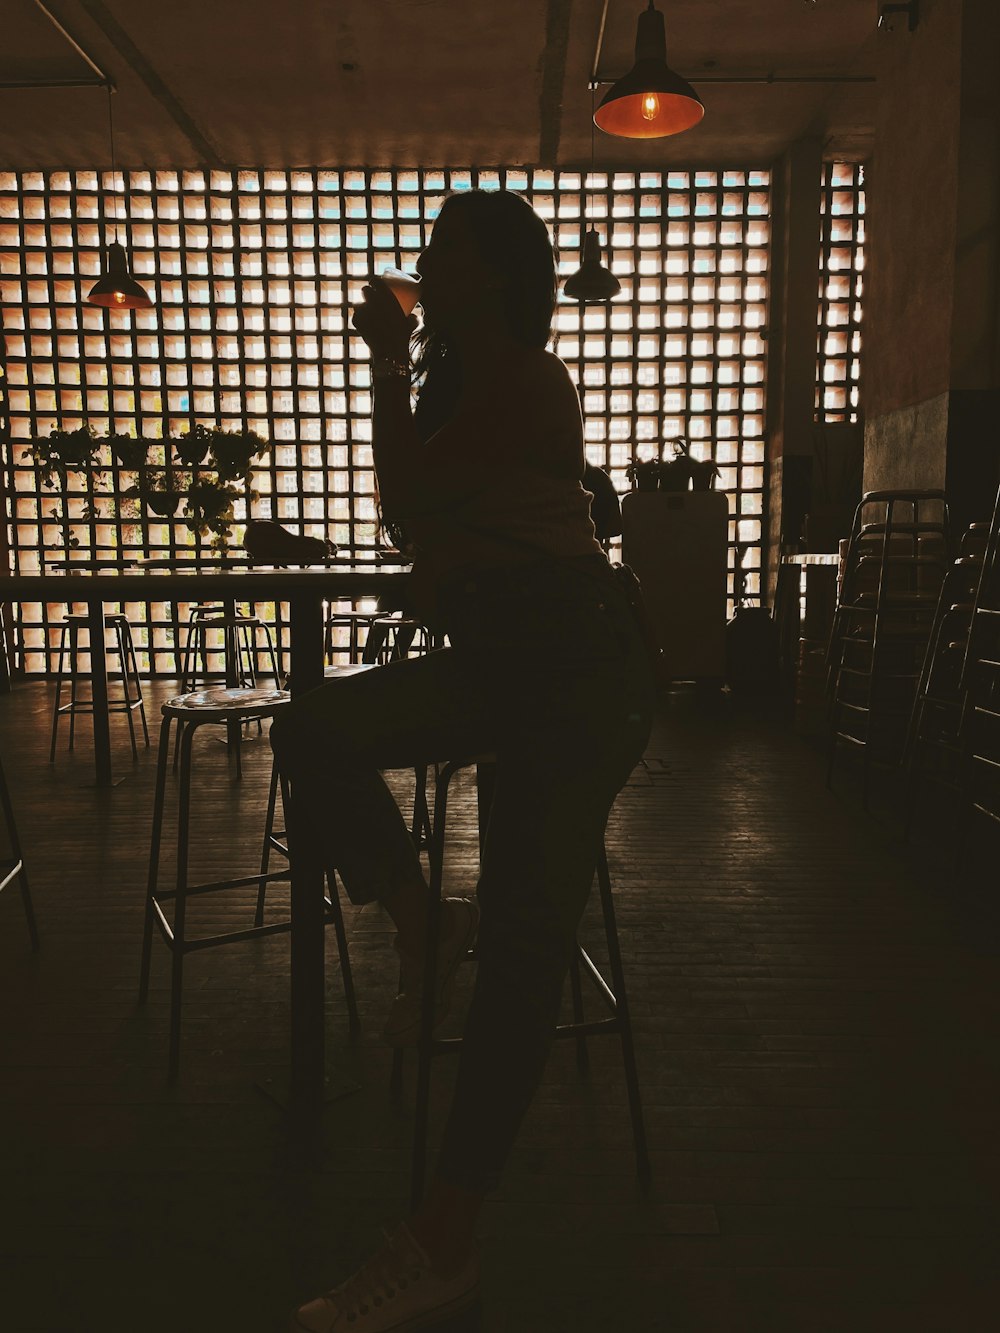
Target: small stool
<point>12,865</point>
<point>131,698</point>
<point>579,1029</point>
<point>189,712</point>
<point>239,640</point>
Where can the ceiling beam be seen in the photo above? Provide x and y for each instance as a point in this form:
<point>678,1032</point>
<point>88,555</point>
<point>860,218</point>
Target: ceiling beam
<point>128,50</point>
<point>550,99</point>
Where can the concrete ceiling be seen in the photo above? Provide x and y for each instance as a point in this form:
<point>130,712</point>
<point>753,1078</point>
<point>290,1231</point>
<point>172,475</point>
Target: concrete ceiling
<point>420,82</point>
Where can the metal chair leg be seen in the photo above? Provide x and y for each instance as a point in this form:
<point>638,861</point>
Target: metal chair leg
<point>74,646</point>
<point>59,684</point>
<point>162,754</point>
<point>123,659</point>
<point>425,1052</point>
<point>18,860</point>
<point>265,851</point>
<point>130,645</point>
<point>180,903</point>
<point>576,991</point>
<point>623,1015</point>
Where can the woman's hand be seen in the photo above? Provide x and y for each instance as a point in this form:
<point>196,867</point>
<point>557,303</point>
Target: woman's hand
<point>381,323</point>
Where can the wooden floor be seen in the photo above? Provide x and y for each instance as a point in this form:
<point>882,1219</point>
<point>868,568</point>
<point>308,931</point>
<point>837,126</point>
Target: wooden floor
<point>815,1009</point>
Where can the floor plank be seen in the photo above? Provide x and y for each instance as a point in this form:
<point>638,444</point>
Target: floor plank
<point>815,1010</point>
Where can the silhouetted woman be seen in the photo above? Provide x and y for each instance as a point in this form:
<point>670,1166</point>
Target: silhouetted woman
<point>545,668</point>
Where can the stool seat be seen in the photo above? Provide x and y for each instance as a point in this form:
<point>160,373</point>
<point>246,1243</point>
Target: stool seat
<point>229,622</point>
<point>226,705</point>
<point>111,618</point>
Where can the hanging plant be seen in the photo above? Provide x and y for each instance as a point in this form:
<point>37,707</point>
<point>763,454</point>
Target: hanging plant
<point>131,453</point>
<point>55,456</point>
<point>64,450</point>
<point>233,453</point>
<point>193,446</point>
<point>158,492</point>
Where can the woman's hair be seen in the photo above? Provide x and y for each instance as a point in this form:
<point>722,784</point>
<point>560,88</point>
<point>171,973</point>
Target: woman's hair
<point>514,241</point>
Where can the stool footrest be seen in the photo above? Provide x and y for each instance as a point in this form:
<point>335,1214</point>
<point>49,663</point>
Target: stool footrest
<point>167,895</point>
<point>607,993</point>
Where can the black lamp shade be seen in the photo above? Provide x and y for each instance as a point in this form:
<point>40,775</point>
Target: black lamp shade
<point>592,282</point>
<point>651,101</point>
<point>116,288</point>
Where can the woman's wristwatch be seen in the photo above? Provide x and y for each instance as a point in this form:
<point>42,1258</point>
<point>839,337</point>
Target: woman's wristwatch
<point>390,368</point>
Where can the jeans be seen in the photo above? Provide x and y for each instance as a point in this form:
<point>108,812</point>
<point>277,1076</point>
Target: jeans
<point>547,670</point>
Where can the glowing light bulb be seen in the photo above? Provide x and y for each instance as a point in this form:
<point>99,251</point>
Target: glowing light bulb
<point>119,298</point>
<point>650,106</point>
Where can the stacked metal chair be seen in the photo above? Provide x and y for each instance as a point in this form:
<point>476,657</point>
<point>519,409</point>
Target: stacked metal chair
<point>932,746</point>
<point>892,576</point>
<point>979,725</point>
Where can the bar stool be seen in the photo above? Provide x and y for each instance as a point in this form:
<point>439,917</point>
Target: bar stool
<point>220,707</point>
<point>239,646</point>
<point>131,696</point>
<point>354,622</point>
<point>613,995</point>
<point>12,864</point>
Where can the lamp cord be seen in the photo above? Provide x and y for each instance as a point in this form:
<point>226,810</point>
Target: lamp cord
<point>593,109</point>
<point>111,135</point>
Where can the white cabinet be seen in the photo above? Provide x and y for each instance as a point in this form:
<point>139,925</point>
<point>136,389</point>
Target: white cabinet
<point>677,544</point>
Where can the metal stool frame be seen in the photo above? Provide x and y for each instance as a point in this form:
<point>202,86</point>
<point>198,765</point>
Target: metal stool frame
<point>173,933</point>
<point>12,866</point>
<point>239,646</point>
<point>71,627</point>
<point>614,995</point>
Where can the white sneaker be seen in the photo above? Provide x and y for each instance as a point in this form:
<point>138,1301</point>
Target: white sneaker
<point>459,923</point>
<point>394,1291</point>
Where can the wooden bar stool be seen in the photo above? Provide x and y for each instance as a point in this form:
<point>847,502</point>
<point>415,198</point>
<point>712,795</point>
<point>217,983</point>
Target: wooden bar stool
<point>131,695</point>
<point>189,712</point>
<point>618,1020</point>
<point>12,863</point>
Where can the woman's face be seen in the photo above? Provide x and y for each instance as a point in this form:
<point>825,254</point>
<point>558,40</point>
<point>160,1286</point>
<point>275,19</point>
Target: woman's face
<point>457,284</point>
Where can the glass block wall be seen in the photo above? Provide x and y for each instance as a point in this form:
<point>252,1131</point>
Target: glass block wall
<point>253,274</point>
<point>841,292</point>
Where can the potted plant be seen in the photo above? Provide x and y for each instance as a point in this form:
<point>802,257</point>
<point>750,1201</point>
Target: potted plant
<point>644,474</point>
<point>193,446</point>
<point>131,453</point>
<point>675,473</point>
<point>703,474</point>
<point>159,493</point>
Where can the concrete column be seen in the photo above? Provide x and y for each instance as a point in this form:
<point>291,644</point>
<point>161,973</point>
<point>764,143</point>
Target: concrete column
<point>795,252</point>
<point>931,374</point>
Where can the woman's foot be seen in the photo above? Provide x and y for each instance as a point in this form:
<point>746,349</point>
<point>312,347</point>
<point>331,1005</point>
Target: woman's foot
<point>397,1289</point>
<point>459,924</point>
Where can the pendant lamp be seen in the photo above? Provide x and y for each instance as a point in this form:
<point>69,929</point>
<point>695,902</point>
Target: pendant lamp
<point>116,289</point>
<point>592,282</point>
<point>651,101</point>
